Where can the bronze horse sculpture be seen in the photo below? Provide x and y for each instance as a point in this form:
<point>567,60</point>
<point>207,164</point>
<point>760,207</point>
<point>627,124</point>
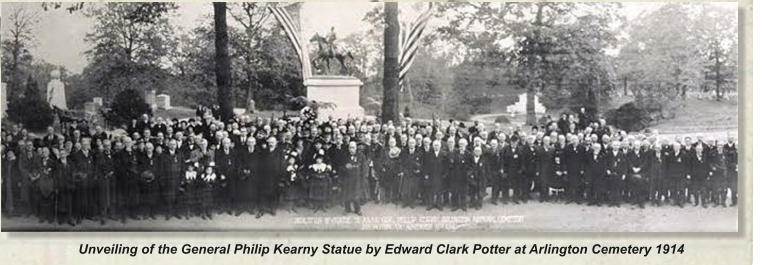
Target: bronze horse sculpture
<point>328,51</point>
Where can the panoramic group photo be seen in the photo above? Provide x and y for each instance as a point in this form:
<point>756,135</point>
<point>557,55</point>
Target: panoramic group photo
<point>370,116</point>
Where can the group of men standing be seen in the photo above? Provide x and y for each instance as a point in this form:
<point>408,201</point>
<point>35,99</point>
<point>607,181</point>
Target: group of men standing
<point>201,166</point>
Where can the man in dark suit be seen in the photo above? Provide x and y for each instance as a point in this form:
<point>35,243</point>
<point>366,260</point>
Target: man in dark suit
<point>545,159</point>
<point>718,174</point>
<point>699,176</point>
<point>411,165</point>
<point>656,174</point>
<point>148,168</point>
<point>678,167</point>
<point>513,171</point>
<point>173,165</point>
<point>477,177</point>
<point>458,175</point>
<point>227,172</point>
<point>636,170</point>
<point>353,168</point>
<point>270,169</point>
<point>732,171</point>
<point>126,170</point>
<point>84,169</point>
<point>617,172</point>
<point>495,176</point>
<point>596,168</point>
<point>245,191</point>
<point>435,168</point>
<point>104,164</point>
<point>574,156</point>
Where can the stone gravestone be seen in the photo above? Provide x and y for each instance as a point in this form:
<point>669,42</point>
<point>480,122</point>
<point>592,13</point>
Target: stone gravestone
<point>151,99</point>
<point>343,91</point>
<point>90,108</point>
<point>98,102</point>
<point>162,101</point>
<point>4,99</point>
<point>521,105</point>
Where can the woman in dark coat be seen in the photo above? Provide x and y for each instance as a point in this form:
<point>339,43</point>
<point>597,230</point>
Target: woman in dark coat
<point>189,194</point>
<point>292,181</point>
<point>319,179</point>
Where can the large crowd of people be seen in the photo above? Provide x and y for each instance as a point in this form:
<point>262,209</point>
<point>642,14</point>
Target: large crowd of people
<point>202,167</point>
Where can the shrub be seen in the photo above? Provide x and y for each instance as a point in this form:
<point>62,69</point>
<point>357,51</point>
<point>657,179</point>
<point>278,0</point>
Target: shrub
<point>127,105</point>
<point>31,110</point>
<point>502,119</point>
<point>629,117</point>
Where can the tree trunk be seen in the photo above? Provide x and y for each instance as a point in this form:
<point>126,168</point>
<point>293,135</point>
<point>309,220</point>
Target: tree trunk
<point>717,78</point>
<point>531,91</point>
<point>391,105</point>
<point>222,61</point>
<point>531,115</point>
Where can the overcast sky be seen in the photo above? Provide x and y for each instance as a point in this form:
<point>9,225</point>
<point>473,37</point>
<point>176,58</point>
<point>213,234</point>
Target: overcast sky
<point>60,34</point>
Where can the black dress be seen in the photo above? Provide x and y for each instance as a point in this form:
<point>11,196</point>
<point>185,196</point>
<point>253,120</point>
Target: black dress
<point>319,181</point>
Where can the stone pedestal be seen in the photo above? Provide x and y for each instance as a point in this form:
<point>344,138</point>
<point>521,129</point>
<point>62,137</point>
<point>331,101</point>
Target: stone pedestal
<point>163,102</point>
<point>151,99</point>
<point>521,106</point>
<point>343,91</point>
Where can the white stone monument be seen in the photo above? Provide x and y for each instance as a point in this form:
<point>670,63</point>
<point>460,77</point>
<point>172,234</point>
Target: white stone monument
<point>98,102</point>
<point>151,99</point>
<point>343,91</point>
<point>56,95</point>
<point>252,106</point>
<point>162,101</point>
<point>4,99</point>
<point>521,105</point>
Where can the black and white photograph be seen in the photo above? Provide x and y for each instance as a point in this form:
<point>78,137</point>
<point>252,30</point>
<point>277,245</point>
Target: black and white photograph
<point>370,116</point>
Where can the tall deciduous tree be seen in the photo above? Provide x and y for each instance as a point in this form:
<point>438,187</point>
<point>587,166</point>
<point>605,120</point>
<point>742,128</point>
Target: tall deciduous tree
<point>17,41</point>
<point>222,61</point>
<point>129,42</point>
<point>534,37</point>
<point>391,104</point>
<point>661,58</point>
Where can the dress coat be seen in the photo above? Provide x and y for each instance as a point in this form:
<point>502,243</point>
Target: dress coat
<point>435,171</point>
